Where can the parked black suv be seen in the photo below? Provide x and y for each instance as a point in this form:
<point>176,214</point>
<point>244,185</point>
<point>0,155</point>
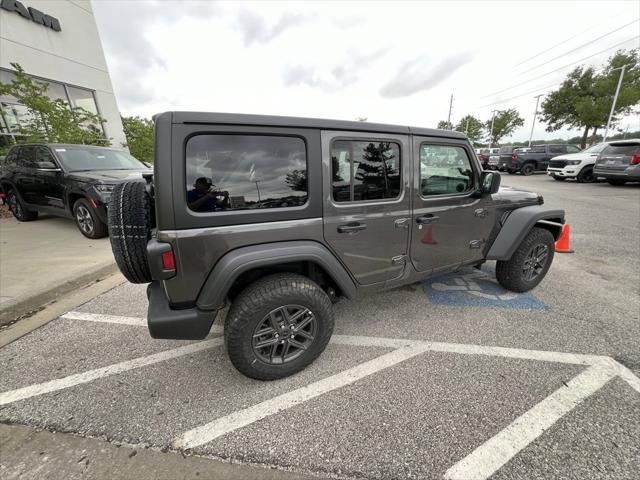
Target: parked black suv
<point>535,160</point>
<point>280,217</point>
<point>73,181</point>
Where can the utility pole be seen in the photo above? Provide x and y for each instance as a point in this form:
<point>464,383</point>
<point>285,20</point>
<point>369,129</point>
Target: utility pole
<point>258,188</point>
<point>450,106</point>
<point>535,114</point>
<point>493,117</point>
<point>466,128</point>
<point>615,99</point>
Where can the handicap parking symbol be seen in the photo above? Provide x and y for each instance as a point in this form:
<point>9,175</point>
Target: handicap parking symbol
<point>477,288</point>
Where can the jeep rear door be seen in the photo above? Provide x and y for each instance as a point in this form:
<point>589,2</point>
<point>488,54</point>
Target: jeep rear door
<point>451,224</point>
<point>367,202</point>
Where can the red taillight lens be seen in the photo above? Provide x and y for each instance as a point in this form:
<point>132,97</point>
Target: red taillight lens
<point>514,157</point>
<point>168,261</point>
<point>482,157</point>
<point>635,159</point>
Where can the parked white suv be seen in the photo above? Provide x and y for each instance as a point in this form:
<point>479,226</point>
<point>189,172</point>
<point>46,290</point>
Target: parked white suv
<point>576,165</point>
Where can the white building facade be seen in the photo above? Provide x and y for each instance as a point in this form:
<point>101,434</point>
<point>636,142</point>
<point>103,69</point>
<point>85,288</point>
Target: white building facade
<point>57,41</point>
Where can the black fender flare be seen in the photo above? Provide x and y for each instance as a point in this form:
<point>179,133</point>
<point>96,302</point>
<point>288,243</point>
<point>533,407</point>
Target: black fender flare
<point>518,224</point>
<point>214,291</point>
<point>8,183</point>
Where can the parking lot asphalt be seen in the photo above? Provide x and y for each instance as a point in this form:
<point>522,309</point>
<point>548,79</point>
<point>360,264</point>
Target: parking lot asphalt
<point>450,378</point>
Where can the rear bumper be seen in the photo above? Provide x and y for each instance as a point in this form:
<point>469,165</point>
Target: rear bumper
<point>632,173</point>
<point>183,324</point>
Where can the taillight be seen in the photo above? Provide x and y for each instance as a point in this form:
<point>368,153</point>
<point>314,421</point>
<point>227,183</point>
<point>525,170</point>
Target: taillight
<point>168,260</point>
<point>514,158</point>
<point>635,159</point>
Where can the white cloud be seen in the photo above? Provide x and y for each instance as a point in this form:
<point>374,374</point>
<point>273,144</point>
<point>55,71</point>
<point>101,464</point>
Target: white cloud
<point>391,62</point>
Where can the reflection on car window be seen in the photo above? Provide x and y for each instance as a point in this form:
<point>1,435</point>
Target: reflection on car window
<point>240,172</point>
<point>365,170</point>
<point>444,170</point>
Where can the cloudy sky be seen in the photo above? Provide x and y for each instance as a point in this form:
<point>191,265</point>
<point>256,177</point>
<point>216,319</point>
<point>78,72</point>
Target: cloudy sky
<point>389,62</point>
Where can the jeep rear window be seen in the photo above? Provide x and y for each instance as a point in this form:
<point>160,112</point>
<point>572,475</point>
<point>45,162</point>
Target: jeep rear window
<point>365,170</point>
<point>242,172</point>
<point>622,149</point>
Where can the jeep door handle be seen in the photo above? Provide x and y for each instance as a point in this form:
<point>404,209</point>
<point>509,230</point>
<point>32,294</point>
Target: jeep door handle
<point>352,227</point>
<point>426,219</point>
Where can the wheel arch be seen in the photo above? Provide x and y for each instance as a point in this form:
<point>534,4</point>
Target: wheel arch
<point>519,223</point>
<point>244,265</point>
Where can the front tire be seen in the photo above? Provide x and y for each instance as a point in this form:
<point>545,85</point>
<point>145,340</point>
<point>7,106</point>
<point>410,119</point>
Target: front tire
<point>87,221</point>
<point>586,175</point>
<point>18,209</point>
<point>529,263</point>
<point>277,326</point>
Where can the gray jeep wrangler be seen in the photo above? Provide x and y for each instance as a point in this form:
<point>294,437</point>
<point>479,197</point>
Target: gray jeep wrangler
<point>279,217</point>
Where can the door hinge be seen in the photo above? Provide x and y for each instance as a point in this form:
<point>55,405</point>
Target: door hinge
<point>399,260</point>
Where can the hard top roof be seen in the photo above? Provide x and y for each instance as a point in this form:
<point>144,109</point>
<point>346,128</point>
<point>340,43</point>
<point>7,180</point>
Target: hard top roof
<point>300,122</point>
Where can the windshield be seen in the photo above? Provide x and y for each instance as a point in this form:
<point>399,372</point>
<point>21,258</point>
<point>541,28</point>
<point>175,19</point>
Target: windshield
<point>595,148</point>
<point>78,159</point>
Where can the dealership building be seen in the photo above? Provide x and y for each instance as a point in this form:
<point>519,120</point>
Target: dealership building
<point>56,41</point>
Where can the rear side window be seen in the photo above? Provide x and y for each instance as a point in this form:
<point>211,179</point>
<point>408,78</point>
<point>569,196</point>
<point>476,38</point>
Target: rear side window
<point>557,149</point>
<point>537,149</point>
<point>365,170</point>
<point>625,149</point>
<point>444,170</point>
<point>12,158</point>
<point>27,157</point>
<point>241,172</point>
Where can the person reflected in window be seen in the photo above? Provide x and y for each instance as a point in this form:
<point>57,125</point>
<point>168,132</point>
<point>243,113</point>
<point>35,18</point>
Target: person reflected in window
<point>205,198</point>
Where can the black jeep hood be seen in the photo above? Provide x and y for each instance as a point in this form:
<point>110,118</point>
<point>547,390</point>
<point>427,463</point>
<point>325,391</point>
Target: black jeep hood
<point>109,176</point>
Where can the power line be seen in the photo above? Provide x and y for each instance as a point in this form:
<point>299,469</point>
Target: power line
<point>561,68</point>
<point>599,24</point>
<point>518,96</point>
<point>583,45</point>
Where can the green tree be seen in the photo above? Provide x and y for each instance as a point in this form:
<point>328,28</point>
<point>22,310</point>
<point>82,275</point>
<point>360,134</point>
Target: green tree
<point>445,125</point>
<point>140,137</point>
<point>584,99</point>
<point>504,124</point>
<point>47,120</point>
<point>472,127</point>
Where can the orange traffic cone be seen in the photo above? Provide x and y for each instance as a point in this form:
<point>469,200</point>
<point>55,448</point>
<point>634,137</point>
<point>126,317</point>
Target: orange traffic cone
<point>428,236</point>
<point>562,245</point>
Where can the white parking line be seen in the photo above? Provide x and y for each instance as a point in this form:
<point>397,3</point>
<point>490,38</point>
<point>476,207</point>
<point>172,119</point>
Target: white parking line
<point>239,419</point>
<point>498,450</point>
<point>84,377</point>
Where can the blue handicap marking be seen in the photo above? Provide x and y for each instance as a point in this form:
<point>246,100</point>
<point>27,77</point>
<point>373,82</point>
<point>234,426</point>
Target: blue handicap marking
<point>471,287</point>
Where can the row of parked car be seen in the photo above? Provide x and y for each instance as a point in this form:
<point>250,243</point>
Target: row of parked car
<point>617,162</point>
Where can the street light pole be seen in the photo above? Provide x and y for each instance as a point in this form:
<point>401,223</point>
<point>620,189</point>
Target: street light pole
<point>258,188</point>
<point>493,117</point>
<point>615,99</point>
<point>450,106</point>
<point>535,114</point>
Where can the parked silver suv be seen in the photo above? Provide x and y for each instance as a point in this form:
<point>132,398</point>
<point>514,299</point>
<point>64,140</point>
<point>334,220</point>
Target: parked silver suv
<point>278,217</point>
<point>619,162</point>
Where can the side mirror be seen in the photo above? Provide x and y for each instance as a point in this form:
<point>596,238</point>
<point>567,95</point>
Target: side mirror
<point>490,182</point>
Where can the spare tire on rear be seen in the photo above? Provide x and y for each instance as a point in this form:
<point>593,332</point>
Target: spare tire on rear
<point>130,222</point>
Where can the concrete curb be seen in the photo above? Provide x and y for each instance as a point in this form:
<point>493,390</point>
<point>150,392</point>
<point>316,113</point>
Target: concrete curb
<point>61,305</point>
<point>38,299</point>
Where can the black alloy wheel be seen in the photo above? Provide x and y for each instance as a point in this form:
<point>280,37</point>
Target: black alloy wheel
<point>535,262</point>
<point>284,334</point>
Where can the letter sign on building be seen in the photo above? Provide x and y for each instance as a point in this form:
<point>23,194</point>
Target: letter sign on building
<point>31,14</point>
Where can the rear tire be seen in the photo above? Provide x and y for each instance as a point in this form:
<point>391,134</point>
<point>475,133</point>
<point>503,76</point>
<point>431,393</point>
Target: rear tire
<point>527,170</point>
<point>18,209</point>
<point>130,222</point>
<point>87,221</point>
<point>529,263</point>
<point>586,175</point>
<point>616,182</point>
<point>259,332</point>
